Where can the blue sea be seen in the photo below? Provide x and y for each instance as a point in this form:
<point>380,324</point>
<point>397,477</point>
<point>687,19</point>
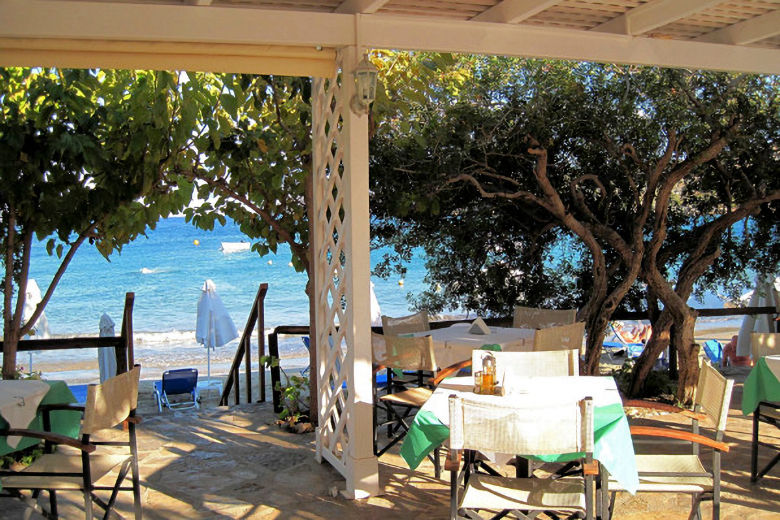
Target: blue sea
<point>166,271</point>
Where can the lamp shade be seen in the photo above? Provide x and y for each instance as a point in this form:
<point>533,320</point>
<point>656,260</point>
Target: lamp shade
<point>365,82</point>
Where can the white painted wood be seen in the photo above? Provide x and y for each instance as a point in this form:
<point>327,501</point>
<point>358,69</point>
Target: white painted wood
<point>360,6</point>
<point>517,40</point>
<point>652,15</point>
<point>248,59</point>
<point>749,31</point>
<point>514,11</point>
<point>152,23</point>
<point>172,23</point>
<point>342,293</point>
<point>363,469</point>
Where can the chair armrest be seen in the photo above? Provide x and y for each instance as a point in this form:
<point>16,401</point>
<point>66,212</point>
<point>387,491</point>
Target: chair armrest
<point>590,468</point>
<point>452,369</point>
<point>135,419</point>
<point>378,369</point>
<point>662,407</point>
<point>56,438</point>
<point>61,406</point>
<point>652,431</point>
<point>452,463</point>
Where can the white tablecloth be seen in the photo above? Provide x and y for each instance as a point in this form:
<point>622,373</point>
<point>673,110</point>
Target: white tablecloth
<point>455,343</point>
<point>19,402</point>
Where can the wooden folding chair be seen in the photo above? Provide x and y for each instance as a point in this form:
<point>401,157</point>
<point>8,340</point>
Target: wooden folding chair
<point>537,318</point>
<point>79,464</point>
<point>685,473</point>
<point>478,426</point>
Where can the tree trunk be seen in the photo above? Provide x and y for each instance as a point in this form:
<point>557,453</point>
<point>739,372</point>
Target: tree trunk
<point>688,355</point>
<point>659,340</point>
<point>10,344</point>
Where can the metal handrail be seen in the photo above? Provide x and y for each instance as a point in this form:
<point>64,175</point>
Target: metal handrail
<point>244,351</point>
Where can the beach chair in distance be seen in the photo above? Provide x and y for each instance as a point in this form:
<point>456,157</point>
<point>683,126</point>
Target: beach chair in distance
<point>537,318</point>
<point>632,349</point>
<point>714,351</point>
<point>181,381</point>
<point>84,461</point>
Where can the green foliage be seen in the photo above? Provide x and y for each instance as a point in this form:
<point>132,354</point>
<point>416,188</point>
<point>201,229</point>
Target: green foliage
<point>23,457</point>
<point>86,155</point>
<point>256,151</point>
<point>657,384</point>
<point>294,392</point>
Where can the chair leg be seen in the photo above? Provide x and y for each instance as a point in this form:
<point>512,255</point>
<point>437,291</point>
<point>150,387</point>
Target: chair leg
<point>695,508</point>
<point>135,475</point>
<point>436,464</point>
<point>88,504</point>
<point>53,503</point>
<point>754,447</point>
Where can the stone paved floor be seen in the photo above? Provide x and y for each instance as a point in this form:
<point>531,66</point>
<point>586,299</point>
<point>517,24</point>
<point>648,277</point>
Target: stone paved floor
<point>234,463</point>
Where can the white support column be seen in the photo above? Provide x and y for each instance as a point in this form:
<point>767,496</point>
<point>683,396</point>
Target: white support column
<point>362,466</point>
<point>342,294</point>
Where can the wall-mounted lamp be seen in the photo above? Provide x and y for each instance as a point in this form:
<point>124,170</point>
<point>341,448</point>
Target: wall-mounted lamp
<point>365,86</point>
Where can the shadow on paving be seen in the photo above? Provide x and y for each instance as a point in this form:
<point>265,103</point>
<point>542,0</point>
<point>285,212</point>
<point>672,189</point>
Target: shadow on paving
<point>235,463</point>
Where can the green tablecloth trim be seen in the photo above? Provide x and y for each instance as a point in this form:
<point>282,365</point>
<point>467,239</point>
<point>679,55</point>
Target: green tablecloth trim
<point>491,346</point>
<point>426,433</point>
<point>611,432</point>
<point>62,421</point>
<point>760,385</point>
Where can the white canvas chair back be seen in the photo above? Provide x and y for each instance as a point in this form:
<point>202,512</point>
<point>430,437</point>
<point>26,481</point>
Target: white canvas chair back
<point>545,430</point>
<point>713,395</point>
<point>409,353</point>
<point>535,318</point>
<point>417,322</point>
<point>764,344</point>
<point>110,403</point>
<point>564,337</point>
<point>515,365</point>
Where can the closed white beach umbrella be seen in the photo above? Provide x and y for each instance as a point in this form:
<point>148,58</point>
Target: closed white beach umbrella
<point>214,326</point>
<point>32,297</point>
<point>106,355</point>
<point>376,312</point>
<point>766,294</point>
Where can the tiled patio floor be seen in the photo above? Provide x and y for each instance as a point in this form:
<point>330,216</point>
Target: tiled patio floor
<point>235,463</point>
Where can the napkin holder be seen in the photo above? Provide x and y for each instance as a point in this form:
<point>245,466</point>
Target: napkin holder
<point>479,327</point>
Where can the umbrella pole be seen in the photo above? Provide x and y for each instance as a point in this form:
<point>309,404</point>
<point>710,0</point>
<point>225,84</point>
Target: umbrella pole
<point>208,367</point>
<point>30,362</point>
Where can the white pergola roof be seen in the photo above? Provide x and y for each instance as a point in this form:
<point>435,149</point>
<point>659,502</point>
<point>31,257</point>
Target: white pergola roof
<point>301,36</point>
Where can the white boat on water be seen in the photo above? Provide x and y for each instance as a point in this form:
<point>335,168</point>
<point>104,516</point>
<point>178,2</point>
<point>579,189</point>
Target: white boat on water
<point>234,247</point>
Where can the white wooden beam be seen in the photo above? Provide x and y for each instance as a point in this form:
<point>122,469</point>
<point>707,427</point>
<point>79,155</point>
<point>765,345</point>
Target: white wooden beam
<point>651,15</point>
<point>212,57</point>
<point>172,23</point>
<point>516,40</point>
<point>360,6</point>
<point>749,31</point>
<point>514,11</point>
<point>155,23</point>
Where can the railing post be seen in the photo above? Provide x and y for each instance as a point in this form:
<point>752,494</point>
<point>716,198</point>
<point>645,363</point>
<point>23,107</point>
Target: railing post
<point>248,360</point>
<point>124,355</point>
<point>261,346</point>
<point>276,376</point>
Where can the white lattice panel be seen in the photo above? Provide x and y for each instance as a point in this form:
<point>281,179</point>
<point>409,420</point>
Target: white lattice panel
<point>340,259</point>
